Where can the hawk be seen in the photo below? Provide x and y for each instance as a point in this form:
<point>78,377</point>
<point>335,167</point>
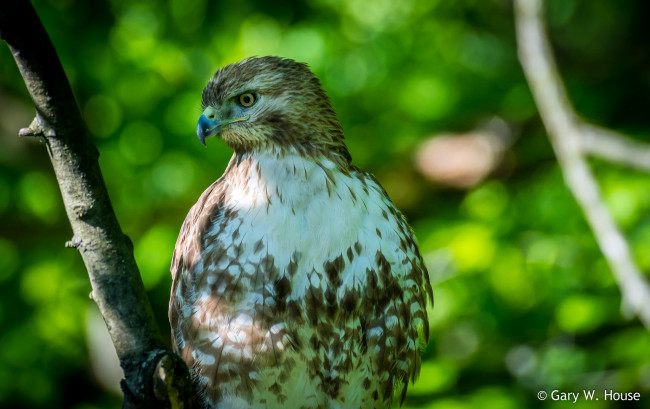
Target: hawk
<point>296,281</point>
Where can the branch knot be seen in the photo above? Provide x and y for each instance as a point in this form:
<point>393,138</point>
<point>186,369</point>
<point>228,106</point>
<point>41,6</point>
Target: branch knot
<point>38,127</point>
<point>74,242</point>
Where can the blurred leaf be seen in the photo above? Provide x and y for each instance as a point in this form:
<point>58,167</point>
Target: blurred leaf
<point>174,174</point>
<point>260,35</point>
<point>152,252</point>
<point>188,15</point>
<point>305,44</point>
<point>35,385</point>
<point>182,114</point>
<point>624,206</point>
<point>518,103</point>
<point>140,142</point>
<point>21,348</point>
<point>9,257</point>
<point>471,244</point>
<point>487,202</point>
<point>495,398</point>
<point>43,281</point>
<point>513,282</point>
<point>427,98</point>
<point>5,194</point>
<point>435,376</point>
<point>103,115</point>
<point>579,313</point>
<point>39,194</point>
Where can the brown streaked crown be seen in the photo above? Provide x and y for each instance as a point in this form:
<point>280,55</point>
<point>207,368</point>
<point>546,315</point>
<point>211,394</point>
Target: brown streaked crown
<point>292,109</point>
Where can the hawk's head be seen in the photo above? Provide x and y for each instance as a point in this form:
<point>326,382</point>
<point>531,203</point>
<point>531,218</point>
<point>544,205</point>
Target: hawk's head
<point>266,101</point>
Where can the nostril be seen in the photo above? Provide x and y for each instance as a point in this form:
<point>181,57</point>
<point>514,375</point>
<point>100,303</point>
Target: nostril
<point>212,117</point>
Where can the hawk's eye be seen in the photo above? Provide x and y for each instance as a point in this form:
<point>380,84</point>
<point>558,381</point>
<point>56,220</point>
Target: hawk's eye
<point>246,99</point>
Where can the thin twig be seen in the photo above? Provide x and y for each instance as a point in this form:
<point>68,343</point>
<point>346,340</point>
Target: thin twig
<point>615,147</point>
<point>566,133</point>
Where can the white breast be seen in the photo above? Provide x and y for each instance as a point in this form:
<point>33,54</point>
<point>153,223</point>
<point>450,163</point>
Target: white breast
<point>291,205</point>
<point>303,215</point>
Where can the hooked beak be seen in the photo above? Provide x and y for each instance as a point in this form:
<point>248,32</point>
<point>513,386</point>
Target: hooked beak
<point>208,127</point>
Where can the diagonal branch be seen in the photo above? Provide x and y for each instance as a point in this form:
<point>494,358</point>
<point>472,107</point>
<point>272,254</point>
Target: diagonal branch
<point>568,134</point>
<point>106,251</point>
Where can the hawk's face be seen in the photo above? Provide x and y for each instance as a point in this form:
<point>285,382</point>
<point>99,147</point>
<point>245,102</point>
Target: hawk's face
<point>266,101</point>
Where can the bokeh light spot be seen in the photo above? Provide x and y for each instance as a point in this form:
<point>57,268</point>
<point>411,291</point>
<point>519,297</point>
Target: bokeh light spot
<point>139,92</point>
<point>306,45</point>
<point>437,375</point>
<point>103,115</point>
<point>471,244</point>
<point>174,174</point>
<point>427,98</point>
<point>487,202</point>
<point>140,142</point>
<point>39,193</point>
<point>182,114</point>
<point>624,205</point>
<point>153,253</point>
<point>41,282</point>
<point>579,313</point>
<point>346,75</point>
<point>260,35</point>
<point>188,15</point>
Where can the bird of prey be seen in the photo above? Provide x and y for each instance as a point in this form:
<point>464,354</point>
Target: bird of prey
<point>296,281</point>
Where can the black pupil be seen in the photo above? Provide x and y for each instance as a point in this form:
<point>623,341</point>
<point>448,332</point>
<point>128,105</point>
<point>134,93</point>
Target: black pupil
<point>247,99</point>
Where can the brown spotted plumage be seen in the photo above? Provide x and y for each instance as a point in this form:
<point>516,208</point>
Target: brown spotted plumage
<point>296,281</point>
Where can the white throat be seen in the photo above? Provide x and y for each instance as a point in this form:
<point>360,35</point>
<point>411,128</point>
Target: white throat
<point>281,176</point>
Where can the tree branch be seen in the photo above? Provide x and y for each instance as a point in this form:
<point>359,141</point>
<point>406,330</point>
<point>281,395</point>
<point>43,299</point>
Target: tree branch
<point>571,139</point>
<point>615,147</point>
<point>106,251</point>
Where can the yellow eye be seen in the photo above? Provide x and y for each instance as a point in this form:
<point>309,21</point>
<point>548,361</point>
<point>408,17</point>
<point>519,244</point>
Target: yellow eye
<point>246,99</point>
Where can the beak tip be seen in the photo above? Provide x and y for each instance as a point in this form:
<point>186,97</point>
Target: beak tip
<point>201,129</point>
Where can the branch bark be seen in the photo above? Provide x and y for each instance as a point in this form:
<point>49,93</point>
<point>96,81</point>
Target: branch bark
<point>615,147</point>
<point>572,139</point>
<point>106,251</point>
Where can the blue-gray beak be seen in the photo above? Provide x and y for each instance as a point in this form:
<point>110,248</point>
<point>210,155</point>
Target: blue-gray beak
<point>207,127</point>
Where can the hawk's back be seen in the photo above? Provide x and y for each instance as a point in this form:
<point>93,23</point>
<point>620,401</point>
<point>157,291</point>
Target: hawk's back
<point>297,285</point>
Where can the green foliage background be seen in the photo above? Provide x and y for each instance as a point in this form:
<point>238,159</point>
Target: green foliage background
<point>524,300</point>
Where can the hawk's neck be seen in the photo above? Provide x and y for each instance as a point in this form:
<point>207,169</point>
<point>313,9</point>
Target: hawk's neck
<point>286,175</point>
